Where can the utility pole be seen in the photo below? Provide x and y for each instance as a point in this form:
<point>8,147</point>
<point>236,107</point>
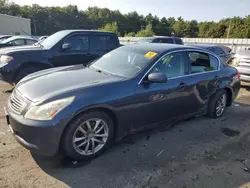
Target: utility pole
<point>35,27</point>
<point>229,27</point>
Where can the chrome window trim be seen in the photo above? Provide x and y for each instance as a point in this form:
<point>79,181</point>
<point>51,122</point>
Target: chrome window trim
<point>184,50</point>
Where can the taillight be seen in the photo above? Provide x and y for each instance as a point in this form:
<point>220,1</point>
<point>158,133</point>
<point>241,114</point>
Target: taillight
<point>238,74</point>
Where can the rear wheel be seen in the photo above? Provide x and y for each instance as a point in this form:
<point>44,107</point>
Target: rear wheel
<point>217,104</point>
<point>24,72</point>
<point>88,136</point>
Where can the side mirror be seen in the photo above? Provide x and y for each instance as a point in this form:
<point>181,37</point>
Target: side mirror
<point>157,77</point>
<point>66,46</point>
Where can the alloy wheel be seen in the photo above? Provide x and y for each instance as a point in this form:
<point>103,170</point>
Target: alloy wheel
<point>90,137</point>
<point>221,105</point>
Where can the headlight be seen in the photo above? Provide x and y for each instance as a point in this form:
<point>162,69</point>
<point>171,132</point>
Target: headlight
<point>4,59</point>
<point>49,110</point>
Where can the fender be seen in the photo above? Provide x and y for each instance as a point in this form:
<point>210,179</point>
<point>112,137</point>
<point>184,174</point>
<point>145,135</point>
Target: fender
<point>39,64</point>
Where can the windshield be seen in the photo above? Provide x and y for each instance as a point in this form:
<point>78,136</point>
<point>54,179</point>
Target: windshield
<point>124,62</point>
<point>53,39</point>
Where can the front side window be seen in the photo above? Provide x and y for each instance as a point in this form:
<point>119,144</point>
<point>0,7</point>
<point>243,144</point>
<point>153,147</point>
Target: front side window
<point>172,65</point>
<point>18,42</point>
<point>78,43</point>
<point>201,62</point>
<point>124,62</point>
<point>52,40</point>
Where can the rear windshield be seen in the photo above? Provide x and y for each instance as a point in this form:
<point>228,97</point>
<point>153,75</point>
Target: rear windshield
<point>124,61</point>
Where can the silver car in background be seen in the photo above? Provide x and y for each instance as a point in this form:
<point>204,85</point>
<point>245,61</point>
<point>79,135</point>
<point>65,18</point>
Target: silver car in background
<point>241,61</point>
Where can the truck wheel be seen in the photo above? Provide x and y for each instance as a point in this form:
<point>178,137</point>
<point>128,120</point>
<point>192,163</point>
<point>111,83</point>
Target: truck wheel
<point>217,104</point>
<point>24,72</point>
<point>88,136</point>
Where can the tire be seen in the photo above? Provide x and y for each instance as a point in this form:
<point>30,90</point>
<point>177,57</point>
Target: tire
<point>24,72</point>
<point>214,103</point>
<point>76,150</point>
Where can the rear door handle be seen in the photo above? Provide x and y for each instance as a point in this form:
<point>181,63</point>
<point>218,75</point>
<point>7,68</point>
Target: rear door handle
<point>215,77</point>
<point>182,84</point>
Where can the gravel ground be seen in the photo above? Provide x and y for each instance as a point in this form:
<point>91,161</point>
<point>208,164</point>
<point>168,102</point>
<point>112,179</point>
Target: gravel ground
<point>197,153</point>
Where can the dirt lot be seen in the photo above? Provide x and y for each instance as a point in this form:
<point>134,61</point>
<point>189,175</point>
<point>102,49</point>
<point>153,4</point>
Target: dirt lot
<point>200,152</point>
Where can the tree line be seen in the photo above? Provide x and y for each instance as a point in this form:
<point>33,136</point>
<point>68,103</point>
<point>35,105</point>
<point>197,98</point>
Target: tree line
<point>48,20</point>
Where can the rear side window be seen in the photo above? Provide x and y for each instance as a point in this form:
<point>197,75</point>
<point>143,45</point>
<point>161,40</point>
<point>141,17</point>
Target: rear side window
<point>201,62</point>
<point>100,42</point>
<point>214,62</point>
<point>163,40</point>
<point>112,42</point>
<point>30,42</point>
<point>178,41</point>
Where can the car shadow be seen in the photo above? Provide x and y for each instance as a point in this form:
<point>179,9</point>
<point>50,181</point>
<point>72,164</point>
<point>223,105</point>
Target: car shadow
<point>140,157</point>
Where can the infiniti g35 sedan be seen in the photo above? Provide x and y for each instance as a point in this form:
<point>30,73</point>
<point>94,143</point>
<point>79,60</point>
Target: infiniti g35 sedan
<point>79,110</point>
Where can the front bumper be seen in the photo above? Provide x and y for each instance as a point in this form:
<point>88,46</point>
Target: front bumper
<point>40,137</point>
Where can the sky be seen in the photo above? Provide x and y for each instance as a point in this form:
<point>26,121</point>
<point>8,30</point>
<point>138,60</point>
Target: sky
<point>200,10</point>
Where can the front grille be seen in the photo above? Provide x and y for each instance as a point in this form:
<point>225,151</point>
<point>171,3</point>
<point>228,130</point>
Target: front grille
<point>17,103</point>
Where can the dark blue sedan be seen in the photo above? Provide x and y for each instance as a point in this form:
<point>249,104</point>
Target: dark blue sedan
<point>80,110</point>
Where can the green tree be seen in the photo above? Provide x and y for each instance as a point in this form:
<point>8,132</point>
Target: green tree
<point>147,32</point>
<point>113,27</point>
<point>48,20</point>
<point>131,34</point>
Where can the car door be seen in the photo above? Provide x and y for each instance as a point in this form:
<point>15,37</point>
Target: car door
<point>203,77</point>
<point>98,45</point>
<point>160,102</point>
<point>76,52</point>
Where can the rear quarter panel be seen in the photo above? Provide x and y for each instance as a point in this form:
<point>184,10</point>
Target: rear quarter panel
<point>228,79</point>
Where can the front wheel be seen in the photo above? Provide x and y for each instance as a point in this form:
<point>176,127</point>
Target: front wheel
<point>217,104</point>
<point>88,136</point>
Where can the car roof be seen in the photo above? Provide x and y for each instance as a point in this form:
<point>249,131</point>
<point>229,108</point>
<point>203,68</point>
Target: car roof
<point>222,47</point>
<point>160,47</point>
<point>5,35</point>
<point>203,45</point>
<point>21,37</point>
<point>166,37</point>
<point>68,31</point>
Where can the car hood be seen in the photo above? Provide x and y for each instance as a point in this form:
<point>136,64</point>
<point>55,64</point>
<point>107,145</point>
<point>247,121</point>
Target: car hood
<point>12,49</point>
<point>52,82</point>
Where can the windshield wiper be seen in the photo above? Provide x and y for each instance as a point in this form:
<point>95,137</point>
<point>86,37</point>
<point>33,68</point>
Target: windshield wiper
<point>38,44</point>
<point>100,71</point>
